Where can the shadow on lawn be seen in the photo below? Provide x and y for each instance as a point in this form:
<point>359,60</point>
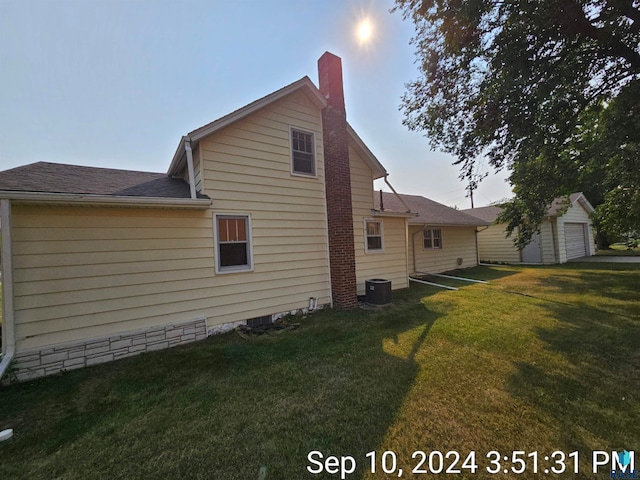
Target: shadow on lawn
<point>226,407</point>
<point>595,401</point>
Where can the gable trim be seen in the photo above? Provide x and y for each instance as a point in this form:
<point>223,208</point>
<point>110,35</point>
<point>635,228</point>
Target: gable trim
<point>196,135</point>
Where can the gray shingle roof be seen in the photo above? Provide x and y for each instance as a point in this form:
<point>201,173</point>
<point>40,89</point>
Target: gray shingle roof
<point>429,212</point>
<point>491,212</point>
<point>73,179</point>
<point>488,214</point>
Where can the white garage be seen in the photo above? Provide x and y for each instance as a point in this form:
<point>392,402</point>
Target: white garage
<point>565,233</point>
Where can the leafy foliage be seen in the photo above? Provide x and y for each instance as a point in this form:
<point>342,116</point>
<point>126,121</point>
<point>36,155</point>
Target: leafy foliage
<point>524,84</point>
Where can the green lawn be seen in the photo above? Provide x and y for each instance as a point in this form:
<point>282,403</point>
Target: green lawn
<point>619,249</point>
<point>541,359</point>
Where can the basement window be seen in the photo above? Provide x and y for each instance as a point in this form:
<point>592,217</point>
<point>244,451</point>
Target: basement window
<point>303,160</point>
<point>373,234</point>
<point>233,244</point>
<point>432,238</point>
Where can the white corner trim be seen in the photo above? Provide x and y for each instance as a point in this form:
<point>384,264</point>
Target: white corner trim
<point>8,322</point>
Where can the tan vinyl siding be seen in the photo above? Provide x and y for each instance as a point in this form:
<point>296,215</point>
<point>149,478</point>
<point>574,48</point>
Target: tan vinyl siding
<point>494,246</point>
<point>391,262</point>
<point>87,272</point>
<point>247,171</point>
<point>84,273</point>
<point>457,242</point>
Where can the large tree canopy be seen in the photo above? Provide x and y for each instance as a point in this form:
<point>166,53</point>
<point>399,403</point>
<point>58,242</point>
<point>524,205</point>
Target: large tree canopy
<point>526,84</point>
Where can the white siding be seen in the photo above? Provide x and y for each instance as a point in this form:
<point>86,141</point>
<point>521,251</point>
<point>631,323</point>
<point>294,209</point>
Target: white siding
<point>457,242</point>
<point>575,214</point>
<point>391,263</point>
<point>549,247</point>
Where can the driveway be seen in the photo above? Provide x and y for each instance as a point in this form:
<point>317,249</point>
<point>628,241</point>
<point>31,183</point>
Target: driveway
<point>607,259</point>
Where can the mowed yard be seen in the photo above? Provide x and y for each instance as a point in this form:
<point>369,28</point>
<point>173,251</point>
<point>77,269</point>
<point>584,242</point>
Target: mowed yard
<point>541,359</point>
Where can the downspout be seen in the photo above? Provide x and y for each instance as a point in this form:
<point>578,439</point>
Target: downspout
<point>192,180</point>
<point>413,247</point>
<point>396,193</point>
<point>8,319</point>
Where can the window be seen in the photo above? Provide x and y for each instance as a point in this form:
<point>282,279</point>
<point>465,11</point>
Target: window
<point>302,158</point>
<point>233,244</point>
<point>373,231</point>
<point>432,238</point>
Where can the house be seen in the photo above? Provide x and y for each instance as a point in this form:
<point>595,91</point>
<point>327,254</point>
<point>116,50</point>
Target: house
<point>565,233</point>
<point>267,210</point>
<point>440,238</point>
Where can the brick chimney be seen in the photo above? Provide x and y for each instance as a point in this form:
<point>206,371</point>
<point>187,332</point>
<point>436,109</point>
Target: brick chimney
<point>338,184</point>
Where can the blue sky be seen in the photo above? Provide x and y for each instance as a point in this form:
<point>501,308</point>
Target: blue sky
<point>116,83</point>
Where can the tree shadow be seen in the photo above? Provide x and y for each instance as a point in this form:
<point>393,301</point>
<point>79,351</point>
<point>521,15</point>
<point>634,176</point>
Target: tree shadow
<point>593,400</point>
<point>226,407</point>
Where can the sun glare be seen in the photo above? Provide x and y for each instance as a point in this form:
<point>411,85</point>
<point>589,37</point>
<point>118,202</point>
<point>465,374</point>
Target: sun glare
<point>365,31</point>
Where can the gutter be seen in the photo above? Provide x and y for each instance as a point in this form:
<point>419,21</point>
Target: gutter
<point>8,319</point>
<point>104,200</point>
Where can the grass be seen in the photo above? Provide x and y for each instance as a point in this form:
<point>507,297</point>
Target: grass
<point>620,250</point>
<point>543,358</point>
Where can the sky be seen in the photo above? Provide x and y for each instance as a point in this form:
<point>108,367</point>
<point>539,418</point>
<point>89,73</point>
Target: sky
<point>116,83</point>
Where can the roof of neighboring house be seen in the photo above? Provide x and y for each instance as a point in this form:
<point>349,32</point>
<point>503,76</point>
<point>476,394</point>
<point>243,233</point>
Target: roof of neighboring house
<point>429,212</point>
<point>56,178</point>
<point>305,85</point>
<point>490,213</point>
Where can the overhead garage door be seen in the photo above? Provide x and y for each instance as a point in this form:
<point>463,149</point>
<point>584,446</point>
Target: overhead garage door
<point>574,239</point>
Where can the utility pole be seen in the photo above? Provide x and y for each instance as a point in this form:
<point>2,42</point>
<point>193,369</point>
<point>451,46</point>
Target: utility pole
<point>473,184</point>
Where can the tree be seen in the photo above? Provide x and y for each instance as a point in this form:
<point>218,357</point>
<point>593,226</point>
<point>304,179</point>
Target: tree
<point>520,83</point>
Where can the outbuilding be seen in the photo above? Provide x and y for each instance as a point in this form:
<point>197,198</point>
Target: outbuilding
<point>565,233</point>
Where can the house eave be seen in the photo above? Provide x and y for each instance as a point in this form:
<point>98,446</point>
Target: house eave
<point>46,198</point>
<point>378,213</point>
<point>421,223</point>
<point>378,169</point>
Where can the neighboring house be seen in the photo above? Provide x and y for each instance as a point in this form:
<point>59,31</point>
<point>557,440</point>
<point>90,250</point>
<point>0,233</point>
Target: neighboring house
<point>264,211</point>
<point>564,234</point>
<point>440,238</point>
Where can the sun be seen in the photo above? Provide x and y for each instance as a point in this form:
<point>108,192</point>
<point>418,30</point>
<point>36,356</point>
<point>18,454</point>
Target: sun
<point>364,31</point>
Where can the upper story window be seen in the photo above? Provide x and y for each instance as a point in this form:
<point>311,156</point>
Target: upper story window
<point>303,161</point>
<point>373,232</point>
<point>432,237</point>
<point>233,243</point>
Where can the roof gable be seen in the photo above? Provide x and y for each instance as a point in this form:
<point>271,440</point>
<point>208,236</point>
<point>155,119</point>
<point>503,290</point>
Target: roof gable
<point>304,84</point>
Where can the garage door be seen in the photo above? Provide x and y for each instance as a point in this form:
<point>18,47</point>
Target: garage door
<point>574,239</point>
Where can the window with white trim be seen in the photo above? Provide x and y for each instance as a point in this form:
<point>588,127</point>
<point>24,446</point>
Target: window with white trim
<point>303,160</point>
<point>373,234</point>
<point>432,238</point>
<point>233,243</point>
